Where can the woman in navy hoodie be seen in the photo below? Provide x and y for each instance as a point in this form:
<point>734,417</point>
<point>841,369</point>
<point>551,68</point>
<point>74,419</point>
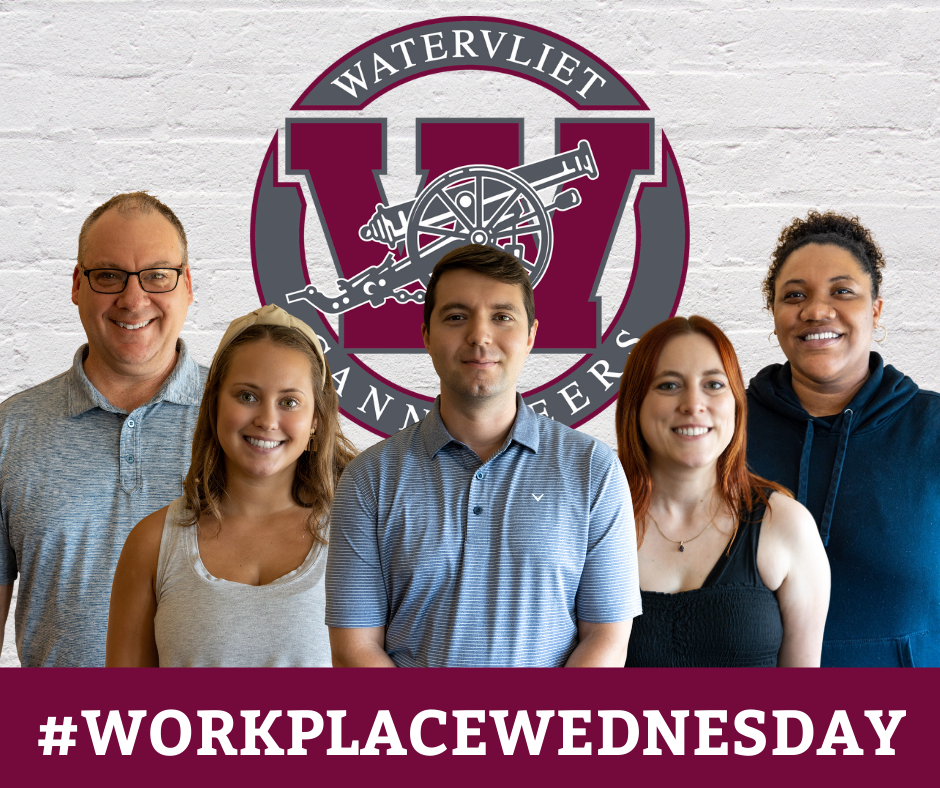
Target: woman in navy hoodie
<point>857,441</point>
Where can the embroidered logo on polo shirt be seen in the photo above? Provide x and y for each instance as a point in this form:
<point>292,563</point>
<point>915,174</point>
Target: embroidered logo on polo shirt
<point>537,497</point>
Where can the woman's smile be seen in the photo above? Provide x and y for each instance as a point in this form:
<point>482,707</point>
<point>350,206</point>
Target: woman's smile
<point>266,409</point>
<point>687,416</point>
<point>824,315</point>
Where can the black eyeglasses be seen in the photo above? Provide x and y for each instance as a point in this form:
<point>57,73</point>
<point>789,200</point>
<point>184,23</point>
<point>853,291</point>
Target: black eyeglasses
<point>152,280</point>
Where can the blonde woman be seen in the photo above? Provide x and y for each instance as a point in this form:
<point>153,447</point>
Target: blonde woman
<point>231,573</point>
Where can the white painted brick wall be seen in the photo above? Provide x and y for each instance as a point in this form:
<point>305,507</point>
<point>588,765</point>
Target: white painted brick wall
<point>772,108</point>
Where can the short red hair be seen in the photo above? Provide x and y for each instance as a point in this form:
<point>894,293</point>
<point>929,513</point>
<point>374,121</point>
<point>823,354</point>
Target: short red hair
<point>738,487</point>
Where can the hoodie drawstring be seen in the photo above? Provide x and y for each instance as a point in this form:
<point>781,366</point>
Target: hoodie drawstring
<point>836,476</point>
<point>804,462</point>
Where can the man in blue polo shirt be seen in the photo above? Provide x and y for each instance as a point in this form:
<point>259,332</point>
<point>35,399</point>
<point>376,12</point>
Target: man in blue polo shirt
<point>485,534</point>
<point>87,454</point>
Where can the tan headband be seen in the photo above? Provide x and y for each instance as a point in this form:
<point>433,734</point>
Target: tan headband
<point>271,315</point>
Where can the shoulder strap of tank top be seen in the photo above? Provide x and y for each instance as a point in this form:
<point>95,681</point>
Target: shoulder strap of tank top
<point>739,567</point>
<point>173,533</point>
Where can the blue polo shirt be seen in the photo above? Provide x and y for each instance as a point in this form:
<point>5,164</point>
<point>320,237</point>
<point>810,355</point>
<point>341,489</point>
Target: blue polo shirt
<point>76,474</point>
<point>471,563</point>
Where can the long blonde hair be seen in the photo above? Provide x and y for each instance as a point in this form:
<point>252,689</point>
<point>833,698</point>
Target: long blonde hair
<point>317,471</point>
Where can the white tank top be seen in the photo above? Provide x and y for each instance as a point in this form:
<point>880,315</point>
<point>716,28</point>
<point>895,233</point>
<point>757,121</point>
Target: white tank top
<point>204,621</point>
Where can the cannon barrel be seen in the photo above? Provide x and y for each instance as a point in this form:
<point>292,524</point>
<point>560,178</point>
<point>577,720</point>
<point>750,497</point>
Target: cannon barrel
<point>389,223</point>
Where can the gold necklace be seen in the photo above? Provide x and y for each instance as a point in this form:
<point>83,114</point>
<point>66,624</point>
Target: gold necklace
<point>682,542</point>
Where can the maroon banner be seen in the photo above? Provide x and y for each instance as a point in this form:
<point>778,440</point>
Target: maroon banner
<point>458,726</point>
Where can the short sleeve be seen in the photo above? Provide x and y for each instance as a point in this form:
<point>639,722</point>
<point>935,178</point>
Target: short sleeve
<point>8,568</point>
<point>609,590</point>
<point>8,565</point>
<point>355,585</point>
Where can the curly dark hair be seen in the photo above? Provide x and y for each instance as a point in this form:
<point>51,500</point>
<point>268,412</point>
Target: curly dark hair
<point>840,230</point>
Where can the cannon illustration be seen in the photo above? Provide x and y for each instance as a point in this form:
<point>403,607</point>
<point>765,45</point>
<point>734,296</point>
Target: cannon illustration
<point>478,204</point>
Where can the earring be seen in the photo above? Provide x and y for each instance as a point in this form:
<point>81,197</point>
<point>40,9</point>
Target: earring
<point>884,336</point>
<point>312,443</point>
<point>770,341</point>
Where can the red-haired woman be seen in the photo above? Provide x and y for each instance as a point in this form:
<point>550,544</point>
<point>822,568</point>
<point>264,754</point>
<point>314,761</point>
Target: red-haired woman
<point>732,569</point>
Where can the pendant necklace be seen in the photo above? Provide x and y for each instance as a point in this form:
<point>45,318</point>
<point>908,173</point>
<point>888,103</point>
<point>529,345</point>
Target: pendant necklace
<point>682,542</point>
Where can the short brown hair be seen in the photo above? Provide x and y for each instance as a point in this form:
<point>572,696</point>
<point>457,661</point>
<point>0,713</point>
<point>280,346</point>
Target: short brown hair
<point>841,230</point>
<point>126,205</point>
<point>317,471</point>
<point>489,261</point>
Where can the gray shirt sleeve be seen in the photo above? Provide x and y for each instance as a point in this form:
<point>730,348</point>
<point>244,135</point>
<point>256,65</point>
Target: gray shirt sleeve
<point>8,565</point>
<point>8,570</point>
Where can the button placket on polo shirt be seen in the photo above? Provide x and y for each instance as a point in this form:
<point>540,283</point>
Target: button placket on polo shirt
<point>478,507</point>
<point>130,452</point>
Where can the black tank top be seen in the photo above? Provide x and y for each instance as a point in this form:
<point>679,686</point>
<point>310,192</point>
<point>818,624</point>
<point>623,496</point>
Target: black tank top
<point>732,621</point>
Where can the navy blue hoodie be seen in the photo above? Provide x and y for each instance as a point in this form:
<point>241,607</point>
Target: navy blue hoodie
<point>870,476</point>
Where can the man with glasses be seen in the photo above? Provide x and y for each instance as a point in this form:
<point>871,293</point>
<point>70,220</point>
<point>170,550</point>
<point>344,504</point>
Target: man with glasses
<point>89,453</point>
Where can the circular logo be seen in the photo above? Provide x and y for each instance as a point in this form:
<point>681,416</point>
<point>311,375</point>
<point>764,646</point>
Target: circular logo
<point>345,237</point>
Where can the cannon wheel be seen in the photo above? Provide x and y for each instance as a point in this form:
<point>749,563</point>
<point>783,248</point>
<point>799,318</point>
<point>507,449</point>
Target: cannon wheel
<point>484,205</point>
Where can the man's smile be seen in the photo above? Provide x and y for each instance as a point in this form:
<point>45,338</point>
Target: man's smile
<point>134,326</point>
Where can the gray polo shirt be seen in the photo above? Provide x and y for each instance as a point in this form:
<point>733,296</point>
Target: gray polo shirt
<point>471,563</point>
<point>76,474</point>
